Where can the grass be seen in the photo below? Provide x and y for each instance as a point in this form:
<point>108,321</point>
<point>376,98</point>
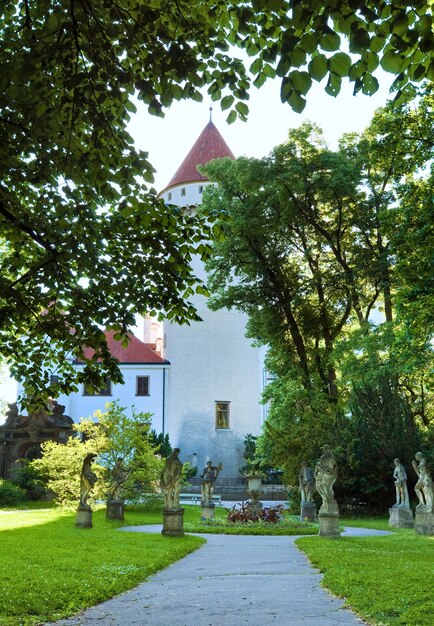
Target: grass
<point>50,569</point>
<point>389,581</point>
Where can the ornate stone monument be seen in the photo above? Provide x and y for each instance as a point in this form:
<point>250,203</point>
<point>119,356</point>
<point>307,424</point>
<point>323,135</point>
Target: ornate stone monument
<point>400,514</point>
<point>115,502</point>
<point>209,476</point>
<point>326,473</point>
<point>87,482</point>
<point>170,482</point>
<point>306,481</point>
<point>424,519</point>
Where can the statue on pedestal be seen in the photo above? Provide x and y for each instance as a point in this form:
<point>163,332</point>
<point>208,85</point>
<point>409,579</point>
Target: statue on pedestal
<point>209,476</point>
<point>424,486</point>
<point>119,476</point>
<point>400,476</point>
<point>87,481</point>
<point>326,472</point>
<point>170,481</point>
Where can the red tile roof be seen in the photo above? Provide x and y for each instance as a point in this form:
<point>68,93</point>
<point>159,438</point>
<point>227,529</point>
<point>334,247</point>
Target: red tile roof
<point>209,145</point>
<point>135,352</point>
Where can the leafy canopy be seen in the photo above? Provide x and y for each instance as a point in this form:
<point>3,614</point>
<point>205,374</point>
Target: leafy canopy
<point>85,243</point>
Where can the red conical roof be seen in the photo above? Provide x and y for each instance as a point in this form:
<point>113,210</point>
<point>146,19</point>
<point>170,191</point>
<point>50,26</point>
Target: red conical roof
<point>209,145</point>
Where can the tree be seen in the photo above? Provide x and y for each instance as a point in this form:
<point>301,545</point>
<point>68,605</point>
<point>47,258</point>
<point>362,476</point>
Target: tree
<point>307,245</point>
<point>85,244</point>
<point>114,436</point>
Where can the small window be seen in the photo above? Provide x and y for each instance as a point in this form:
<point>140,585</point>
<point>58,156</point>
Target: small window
<point>183,191</point>
<point>142,386</point>
<point>169,195</point>
<point>104,391</point>
<point>54,379</point>
<point>200,188</point>
<point>222,414</point>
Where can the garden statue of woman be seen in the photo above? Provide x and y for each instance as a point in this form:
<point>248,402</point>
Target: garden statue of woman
<point>326,472</point>
<point>306,482</point>
<point>400,476</point>
<point>424,486</point>
<point>209,476</point>
<point>87,481</point>
<point>170,481</point>
<point>119,476</point>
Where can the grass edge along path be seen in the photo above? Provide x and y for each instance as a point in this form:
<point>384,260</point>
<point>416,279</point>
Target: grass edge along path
<point>49,569</point>
<point>388,581</point>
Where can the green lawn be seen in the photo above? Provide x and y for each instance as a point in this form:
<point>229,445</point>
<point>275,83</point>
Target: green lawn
<point>50,569</point>
<point>389,581</point>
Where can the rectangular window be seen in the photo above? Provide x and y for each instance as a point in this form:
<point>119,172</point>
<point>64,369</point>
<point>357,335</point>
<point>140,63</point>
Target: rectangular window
<point>142,386</point>
<point>222,414</point>
<point>104,391</point>
<point>54,379</point>
<point>182,191</point>
<point>200,189</point>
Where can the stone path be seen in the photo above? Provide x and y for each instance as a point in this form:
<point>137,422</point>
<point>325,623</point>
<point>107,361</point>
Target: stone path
<point>232,580</point>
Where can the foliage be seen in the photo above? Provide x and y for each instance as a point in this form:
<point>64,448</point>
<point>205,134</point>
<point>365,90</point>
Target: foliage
<point>355,568</point>
<point>309,243</point>
<point>114,436</point>
<point>161,443</point>
<point>30,480</point>
<point>78,227</point>
<point>244,513</point>
<point>255,463</point>
<point>59,570</point>
<point>10,493</point>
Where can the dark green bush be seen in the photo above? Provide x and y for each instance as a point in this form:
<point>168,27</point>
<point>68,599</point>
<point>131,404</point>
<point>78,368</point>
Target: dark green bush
<point>10,493</point>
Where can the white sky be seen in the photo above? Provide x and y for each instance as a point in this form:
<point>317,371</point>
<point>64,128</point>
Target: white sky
<point>169,139</point>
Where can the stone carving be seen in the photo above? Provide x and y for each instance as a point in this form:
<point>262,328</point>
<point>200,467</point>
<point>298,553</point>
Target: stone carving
<point>306,481</point>
<point>119,475</point>
<point>326,473</point>
<point>209,476</point>
<point>87,481</point>
<point>424,486</point>
<point>400,476</point>
<point>170,481</point>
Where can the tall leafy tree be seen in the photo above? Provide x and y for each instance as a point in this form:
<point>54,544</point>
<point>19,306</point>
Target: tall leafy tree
<point>85,244</point>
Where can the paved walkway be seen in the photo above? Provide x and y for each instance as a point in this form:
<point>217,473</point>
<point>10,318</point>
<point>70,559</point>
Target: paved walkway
<point>232,580</point>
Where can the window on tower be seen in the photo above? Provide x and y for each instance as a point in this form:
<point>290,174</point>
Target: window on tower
<point>222,415</point>
<point>200,188</point>
<point>183,191</point>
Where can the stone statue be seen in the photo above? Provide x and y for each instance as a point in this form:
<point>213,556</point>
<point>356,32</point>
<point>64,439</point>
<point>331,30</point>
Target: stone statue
<point>209,476</point>
<point>306,482</point>
<point>170,481</point>
<point>424,486</point>
<point>87,481</point>
<point>119,476</point>
<point>326,472</point>
<point>400,476</point>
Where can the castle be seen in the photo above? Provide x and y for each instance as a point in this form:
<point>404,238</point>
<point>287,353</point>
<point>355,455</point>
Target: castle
<point>202,382</point>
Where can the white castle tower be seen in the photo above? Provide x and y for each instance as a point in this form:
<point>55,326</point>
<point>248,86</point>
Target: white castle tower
<point>216,376</point>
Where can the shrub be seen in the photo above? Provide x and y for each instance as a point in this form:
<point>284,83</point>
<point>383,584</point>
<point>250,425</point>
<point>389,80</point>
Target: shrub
<point>10,493</point>
<point>244,513</point>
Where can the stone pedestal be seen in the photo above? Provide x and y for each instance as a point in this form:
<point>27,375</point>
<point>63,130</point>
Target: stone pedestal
<point>208,509</point>
<point>173,523</point>
<point>329,525</point>
<point>424,522</point>
<point>84,518</point>
<point>115,509</point>
<point>400,518</point>
<point>308,511</point>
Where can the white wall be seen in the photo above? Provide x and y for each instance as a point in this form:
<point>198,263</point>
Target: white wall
<point>78,405</point>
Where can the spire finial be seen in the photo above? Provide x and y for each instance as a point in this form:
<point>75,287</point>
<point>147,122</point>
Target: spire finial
<point>210,114</point>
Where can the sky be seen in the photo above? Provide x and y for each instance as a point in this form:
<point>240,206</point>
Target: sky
<point>169,139</point>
